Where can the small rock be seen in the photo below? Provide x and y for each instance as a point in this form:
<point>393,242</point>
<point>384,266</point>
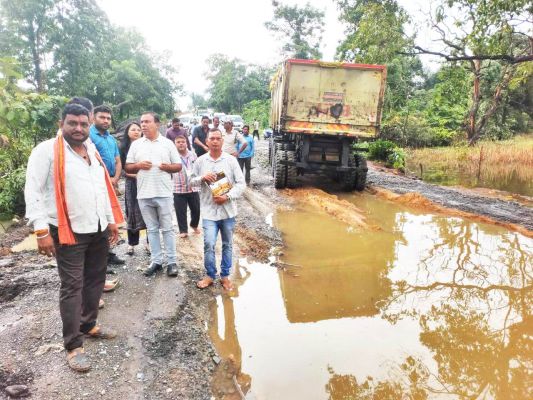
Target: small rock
<point>169,390</point>
<point>17,391</point>
<point>140,376</point>
<point>216,360</point>
<point>6,262</point>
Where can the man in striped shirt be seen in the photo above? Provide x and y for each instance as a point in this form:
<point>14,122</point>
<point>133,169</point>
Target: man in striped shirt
<point>184,194</point>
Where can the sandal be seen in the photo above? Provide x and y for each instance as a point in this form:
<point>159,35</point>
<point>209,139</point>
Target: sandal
<point>101,304</point>
<point>183,235</point>
<point>111,285</point>
<point>78,361</point>
<point>98,332</point>
<point>226,283</point>
<point>205,282</point>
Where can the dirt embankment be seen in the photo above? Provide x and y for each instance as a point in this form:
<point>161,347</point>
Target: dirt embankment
<point>163,349</point>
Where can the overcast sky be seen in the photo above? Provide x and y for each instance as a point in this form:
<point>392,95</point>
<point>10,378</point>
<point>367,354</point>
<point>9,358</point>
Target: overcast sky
<point>190,31</point>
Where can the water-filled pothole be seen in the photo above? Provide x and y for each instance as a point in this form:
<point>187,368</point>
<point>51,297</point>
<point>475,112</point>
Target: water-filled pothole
<point>418,306</point>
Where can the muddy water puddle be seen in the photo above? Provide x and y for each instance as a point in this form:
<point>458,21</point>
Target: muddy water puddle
<point>418,306</point>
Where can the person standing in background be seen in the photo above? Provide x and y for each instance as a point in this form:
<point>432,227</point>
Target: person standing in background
<point>134,217</point>
<point>199,136</point>
<point>245,157</point>
<point>256,129</point>
<point>184,194</point>
<point>108,149</point>
<point>177,130</point>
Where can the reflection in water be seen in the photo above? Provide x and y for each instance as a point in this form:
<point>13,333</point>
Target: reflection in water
<point>425,307</point>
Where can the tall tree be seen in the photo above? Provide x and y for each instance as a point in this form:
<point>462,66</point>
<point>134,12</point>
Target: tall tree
<point>26,31</point>
<point>482,33</point>
<point>233,83</point>
<point>299,28</point>
<point>366,44</point>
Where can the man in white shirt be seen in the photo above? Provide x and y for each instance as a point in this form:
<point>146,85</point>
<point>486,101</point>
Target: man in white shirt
<point>154,158</point>
<point>218,212</point>
<point>230,138</point>
<point>77,230</point>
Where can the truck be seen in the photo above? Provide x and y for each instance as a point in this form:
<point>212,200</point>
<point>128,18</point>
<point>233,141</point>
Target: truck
<point>319,110</point>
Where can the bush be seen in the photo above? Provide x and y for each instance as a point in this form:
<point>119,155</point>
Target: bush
<point>26,119</point>
<point>389,152</point>
<point>414,131</point>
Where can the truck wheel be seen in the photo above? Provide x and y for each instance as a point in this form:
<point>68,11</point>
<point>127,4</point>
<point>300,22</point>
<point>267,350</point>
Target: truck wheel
<point>348,177</point>
<point>280,170</point>
<point>360,179</point>
<point>291,169</point>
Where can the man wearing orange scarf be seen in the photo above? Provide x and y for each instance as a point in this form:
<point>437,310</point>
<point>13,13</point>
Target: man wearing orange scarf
<point>72,206</point>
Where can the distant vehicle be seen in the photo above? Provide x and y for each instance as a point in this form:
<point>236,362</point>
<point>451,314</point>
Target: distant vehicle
<point>221,116</point>
<point>237,120</point>
<point>267,133</point>
<point>186,120</point>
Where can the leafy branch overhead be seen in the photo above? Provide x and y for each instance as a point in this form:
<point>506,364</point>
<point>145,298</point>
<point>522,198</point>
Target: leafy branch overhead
<point>299,28</point>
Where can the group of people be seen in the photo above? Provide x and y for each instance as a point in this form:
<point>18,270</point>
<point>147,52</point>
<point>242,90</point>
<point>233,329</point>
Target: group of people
<point>71,202</point>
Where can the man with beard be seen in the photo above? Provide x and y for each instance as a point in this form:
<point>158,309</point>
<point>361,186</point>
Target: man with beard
<point>71,204</point>
<point>108,148</point>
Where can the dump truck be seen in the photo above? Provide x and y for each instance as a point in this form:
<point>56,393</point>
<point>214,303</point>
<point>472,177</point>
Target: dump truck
<point>318,111</point>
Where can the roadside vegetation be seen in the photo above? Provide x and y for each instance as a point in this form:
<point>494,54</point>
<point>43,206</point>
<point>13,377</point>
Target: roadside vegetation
<point>504,164</point>
<point>481,90</point>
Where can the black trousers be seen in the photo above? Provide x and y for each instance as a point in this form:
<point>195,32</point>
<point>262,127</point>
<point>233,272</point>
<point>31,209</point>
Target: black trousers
<point>181,200</point>
<point>82,271</point>
<point>255,133</point>
<point>133,237</point>
<point>246,162</point>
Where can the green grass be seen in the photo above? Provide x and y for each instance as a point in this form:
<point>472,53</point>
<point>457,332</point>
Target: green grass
<point>506,165</point>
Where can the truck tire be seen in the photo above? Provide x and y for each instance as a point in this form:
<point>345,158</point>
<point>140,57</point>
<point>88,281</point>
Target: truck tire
<point>360,178</point>
<point>348,177</point>
<point>291,169</point>
<point>280,170</point>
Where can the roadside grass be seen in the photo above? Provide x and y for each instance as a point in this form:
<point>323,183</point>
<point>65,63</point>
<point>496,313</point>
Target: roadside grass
<point>505,163</point>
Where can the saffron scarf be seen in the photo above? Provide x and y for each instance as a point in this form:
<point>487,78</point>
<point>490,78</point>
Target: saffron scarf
<point>66,235</point>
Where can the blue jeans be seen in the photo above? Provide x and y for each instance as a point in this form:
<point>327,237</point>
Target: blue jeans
<point>211,228</point>
<point>157,215</point>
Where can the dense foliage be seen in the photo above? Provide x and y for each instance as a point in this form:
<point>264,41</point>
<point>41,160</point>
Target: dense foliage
<point>25,120</point>
<point>69,48</point>
<point>483,87</point>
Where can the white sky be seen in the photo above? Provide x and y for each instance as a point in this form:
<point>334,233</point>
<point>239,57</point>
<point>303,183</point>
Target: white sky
<point>190,31</point>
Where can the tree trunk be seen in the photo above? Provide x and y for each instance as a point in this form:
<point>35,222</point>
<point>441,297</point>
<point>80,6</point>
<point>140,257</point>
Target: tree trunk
<point>36,59</point>
<point>507,74</point>
<point>476,99</point>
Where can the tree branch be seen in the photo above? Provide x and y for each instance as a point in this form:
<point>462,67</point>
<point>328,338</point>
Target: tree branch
<point>447,57</point>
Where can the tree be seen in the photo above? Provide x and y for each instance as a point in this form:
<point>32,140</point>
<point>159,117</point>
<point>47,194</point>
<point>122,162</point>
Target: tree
<point>234,84</point>
<point>366,44</point>
<point>86,55</point>
<point>300,28</point>
<point>26,28</point>
<point>482,33</point>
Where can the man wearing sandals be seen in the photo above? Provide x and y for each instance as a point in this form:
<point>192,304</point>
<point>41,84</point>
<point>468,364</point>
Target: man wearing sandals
<point>73,208</point>
<point>218,212</point>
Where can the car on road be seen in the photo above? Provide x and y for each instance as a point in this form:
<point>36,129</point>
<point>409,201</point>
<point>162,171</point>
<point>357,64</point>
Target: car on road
<point>237,120</point>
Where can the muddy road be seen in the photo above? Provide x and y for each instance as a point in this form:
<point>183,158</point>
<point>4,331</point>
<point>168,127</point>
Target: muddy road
<point>177,342</point>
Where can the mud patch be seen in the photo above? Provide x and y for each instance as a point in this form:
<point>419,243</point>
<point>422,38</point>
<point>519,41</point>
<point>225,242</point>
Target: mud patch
<point>420,202</point>
<point>251,243</point>
<point>9,377</point>
<point>329,204</point>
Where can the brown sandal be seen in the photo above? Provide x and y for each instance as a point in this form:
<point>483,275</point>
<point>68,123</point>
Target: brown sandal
<point>111,285</point>
<point>98,332</point>
<point>78,361</point>
<point>205,282</point>
<point>226,283</point>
